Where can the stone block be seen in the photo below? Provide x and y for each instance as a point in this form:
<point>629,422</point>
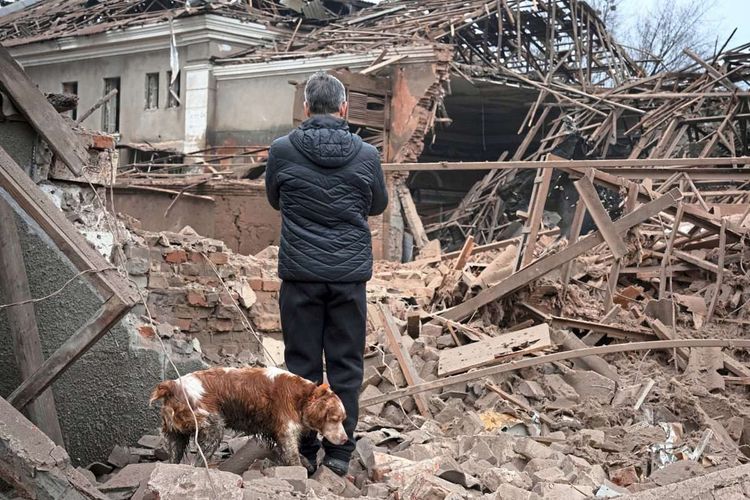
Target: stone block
<point>531,389</point>
<point>268,488</point>
<point>177,482</point>
<point>287,473</point>
<point>558,388</point>
<point>537,464</point>
<point>431,330</point>
<point>128,479</point>
<point>175,256</point>
<point>195,298</point>
<point>157,280</point>
<point>218,258</point>
<point>549,475</point>
<point>510,492</point>
<point>532,449</point>
<point>251,475</point>
<point>370,392</point>
<point>330,480</point>
<point>371,376</point>
<point>591,385</point>
<point>271,285</point>
<point>121,456</point>
<point>425,485</point>
<point>676,472</point>
<point>624,476</point>
<point>445,342</point>
<point>493,478</point>
<point>555,491</point>
<point>377,490</point>
<point>394,375</point>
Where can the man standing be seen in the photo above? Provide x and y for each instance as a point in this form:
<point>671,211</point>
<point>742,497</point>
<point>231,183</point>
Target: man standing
<point>326,181</point>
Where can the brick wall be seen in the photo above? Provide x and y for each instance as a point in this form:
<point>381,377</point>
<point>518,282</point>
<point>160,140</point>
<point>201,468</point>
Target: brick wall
<point>179,272</point>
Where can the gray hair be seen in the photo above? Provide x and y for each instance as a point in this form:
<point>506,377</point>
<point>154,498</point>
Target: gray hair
<point>324,93</point>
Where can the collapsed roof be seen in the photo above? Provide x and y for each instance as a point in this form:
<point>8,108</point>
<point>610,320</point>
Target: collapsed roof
<point>53,19</point>
<point>564,38</point>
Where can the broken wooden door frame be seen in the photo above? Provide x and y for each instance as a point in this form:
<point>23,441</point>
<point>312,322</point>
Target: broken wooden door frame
<point>114,290</point>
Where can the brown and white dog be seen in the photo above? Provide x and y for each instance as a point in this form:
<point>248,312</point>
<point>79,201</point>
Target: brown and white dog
<point>267,402</point>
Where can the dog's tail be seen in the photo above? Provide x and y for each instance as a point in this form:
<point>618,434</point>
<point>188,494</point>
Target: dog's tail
<point>162,391</point>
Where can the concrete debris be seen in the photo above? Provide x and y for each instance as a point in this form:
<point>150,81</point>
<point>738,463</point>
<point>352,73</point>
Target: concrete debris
<point>176,482</point>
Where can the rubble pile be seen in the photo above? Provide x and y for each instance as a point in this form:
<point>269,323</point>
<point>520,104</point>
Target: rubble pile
<point>580,428</point>
<point>584,428</point>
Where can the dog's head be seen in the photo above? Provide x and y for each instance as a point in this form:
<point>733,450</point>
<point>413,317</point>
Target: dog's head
<point>175,412</point>
<point>325,413</point>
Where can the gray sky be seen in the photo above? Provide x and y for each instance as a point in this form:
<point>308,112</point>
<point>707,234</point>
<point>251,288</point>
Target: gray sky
<point>725,16</point>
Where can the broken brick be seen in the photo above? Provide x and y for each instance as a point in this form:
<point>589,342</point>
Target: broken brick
<point>624,476</point>
<point>176,256</point>
<point>146,331</point>
<point>218,258</point>
<point>271,285</point>
<point>196,299</point>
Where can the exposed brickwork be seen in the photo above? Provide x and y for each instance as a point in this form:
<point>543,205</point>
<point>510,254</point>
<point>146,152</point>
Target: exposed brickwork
<point>180,273</point>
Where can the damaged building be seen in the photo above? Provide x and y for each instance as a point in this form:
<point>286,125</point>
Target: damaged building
<point>560,294</point>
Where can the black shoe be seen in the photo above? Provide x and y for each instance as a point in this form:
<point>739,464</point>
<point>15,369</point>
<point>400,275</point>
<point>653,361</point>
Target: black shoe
<point>310,465</point>
<point>340,467</point>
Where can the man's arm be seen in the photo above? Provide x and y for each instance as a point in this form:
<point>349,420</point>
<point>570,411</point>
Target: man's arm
<point>379,190</point>
<point>272,183</point>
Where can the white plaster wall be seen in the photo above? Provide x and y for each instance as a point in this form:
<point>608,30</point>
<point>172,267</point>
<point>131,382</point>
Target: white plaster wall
<point>136,123</point>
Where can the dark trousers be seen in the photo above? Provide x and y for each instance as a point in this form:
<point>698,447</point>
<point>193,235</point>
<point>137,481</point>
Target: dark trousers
<point>330,319</point>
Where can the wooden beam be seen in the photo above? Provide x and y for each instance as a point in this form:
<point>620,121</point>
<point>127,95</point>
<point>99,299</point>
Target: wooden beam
<point>510,397</point>
<point>598,164</point>
<point>72,349</point>
<point>494,350</point>
<point>694,215</point>
<point>697,262</point>
<point>41,115</point>
<point>590,198</point>
<point>720,273</point>
<point>665,261</point>
<point>656,345</point>
<point>32,464</point>
<point>612,331</point>
<point>478,249</point>
<point>393,336</point>
<point>413,221</point>
<point>383,64</point>
<point>24,333</point>
<point>711,70</point>
<point>665,333</point>
<point>575,234</point>
<point>463,257</point>
<point>109,95</point>
<point>546,264</point>
<point>536,211</point>
<point>570,342</point>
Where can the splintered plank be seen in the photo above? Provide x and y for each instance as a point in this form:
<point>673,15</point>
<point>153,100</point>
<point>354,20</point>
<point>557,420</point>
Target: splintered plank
<point>546,264</point>
<point>393,336</point>
<point>590,198</point>
<point>413,221</point>
<point>40,113</point>
<point>495,350</point>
